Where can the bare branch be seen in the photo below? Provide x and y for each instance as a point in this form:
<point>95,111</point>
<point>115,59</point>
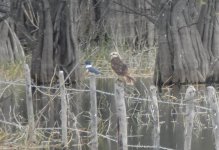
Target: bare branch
<point>12,124</point>
<point>149,17</point>
<point>151,4</point>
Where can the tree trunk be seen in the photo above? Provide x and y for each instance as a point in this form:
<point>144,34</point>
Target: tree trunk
<point>112,22</point>
<point>163,67</point>
<point>150,30</point>
<point>11,50</point>
<point>57,45</point>
<point>127,24</point>
<point>181,56</point>
<point>210,35</point>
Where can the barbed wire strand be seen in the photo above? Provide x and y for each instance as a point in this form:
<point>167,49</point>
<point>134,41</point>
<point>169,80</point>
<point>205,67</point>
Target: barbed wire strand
<point>151,147</point>
<point>98,91</point>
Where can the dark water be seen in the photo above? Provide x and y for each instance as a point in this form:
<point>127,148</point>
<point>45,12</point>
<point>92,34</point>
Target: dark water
<point>140,123</point>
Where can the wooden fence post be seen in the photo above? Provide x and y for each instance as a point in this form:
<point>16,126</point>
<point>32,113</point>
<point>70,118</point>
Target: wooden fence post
<point>93,111</point>
<point>155,115</point>
<point>190,113</point>
<point>29,102</point>
<point>121,116</point>
<point>64,107</point>
<point>212,100</point>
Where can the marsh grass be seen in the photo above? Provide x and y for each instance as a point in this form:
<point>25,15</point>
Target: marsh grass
<point>140,62</point>
<point>12,71</point>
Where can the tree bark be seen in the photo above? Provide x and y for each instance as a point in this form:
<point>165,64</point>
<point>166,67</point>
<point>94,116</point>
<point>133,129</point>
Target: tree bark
<point>212,100</point>
<point>93,114</point>
<point>64,109</point>
<point>52,27</point>
<point>29,102</point>
<point>189,117</point>
<point>11,50</point>
<point>210,37</point>
<point>182,58</point>
<point>57,45</point>
<point>155,117</point>
<point>163,65</point>
<point>122,137</point>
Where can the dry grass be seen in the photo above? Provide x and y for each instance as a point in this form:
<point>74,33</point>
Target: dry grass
<point>12,71</point>
<point>141,64</point>
<point>18,140</point>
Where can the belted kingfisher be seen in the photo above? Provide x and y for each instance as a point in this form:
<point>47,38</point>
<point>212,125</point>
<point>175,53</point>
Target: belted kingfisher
<point>91,69</point>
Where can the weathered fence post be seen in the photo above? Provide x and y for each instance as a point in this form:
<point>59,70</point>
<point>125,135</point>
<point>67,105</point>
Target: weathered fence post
<point>190,113</point>
<point>29,102</point>
<point>121,116</point>
<point>64,107</point>
<point>93,111</point>
<point>155,115</point>
<point>212,99</point>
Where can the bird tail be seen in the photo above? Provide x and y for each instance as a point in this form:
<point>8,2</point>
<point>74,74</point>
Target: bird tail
<point>129,80</point>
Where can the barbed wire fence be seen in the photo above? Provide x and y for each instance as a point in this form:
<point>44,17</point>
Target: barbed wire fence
<point>71,91</point>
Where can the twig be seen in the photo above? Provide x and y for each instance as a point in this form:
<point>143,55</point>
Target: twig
<point>12,124</point>
<point>150,18</point>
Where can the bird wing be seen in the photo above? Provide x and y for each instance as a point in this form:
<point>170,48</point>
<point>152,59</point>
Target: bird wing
<point>93,70</point>
<point>118,66</point>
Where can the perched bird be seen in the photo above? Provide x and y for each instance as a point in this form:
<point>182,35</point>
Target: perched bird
<point>120,68</point>
<point>90,69</point>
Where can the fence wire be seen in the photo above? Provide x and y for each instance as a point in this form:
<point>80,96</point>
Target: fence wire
<point>56,87</point>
